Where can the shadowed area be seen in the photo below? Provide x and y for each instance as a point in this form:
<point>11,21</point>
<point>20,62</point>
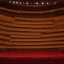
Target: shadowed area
<point>32,61</point>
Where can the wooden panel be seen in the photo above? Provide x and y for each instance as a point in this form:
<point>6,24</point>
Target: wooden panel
<point>24,33</point>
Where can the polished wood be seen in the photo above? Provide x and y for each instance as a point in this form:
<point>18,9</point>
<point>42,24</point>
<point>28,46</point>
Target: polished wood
<point>31,32</point>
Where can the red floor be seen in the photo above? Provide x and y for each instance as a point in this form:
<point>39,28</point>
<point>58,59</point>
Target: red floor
<point>32,57</point>
<point>32,54</point>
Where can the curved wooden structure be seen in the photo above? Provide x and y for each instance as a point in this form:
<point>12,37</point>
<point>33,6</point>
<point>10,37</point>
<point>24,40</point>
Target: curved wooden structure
<point>26,29</point>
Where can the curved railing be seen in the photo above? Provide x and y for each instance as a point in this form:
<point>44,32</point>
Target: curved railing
<point>15,13</point>
<point>32,7</point>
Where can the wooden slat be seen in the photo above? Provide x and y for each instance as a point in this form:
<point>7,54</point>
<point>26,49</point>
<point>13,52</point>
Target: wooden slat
<point>33,47</point>
<point>53,34</point>
<point>4,37</point>
<point>31,30</point>
<point>25,25</point>
<point>32,43</point>
<point>34,23</point>
<point>24,36</point>
<point>19,33</point>
<point>9,18</point>
<point>29,12</point>
<point>59,24</point>
<point>41,39</point>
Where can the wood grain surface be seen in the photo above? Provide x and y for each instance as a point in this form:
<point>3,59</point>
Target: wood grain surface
<point>31,32</point>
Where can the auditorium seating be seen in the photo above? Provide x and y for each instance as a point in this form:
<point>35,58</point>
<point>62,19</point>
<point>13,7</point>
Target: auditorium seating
<point>31,29</point>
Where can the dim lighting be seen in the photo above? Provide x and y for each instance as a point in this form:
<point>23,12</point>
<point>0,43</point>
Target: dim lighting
<point>16,2</point>
<point>13,1</point>
<point>47,2</point>
<point>42,2</point>
<point>54,2</point>
<point>26,2</point>
<point>10,1</point>
<point>36,2</point>
<point>20,2</point>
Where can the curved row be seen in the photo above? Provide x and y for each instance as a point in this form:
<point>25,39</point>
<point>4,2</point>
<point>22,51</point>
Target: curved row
<point>27,14</point>
<point>31,33</point>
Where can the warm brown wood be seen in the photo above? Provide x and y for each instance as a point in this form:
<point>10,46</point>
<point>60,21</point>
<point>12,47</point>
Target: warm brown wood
<point>23,33</point>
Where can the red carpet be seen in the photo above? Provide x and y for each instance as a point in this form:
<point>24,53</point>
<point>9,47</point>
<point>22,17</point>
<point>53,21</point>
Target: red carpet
<point>32,57</point>
<point>32,54</point>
